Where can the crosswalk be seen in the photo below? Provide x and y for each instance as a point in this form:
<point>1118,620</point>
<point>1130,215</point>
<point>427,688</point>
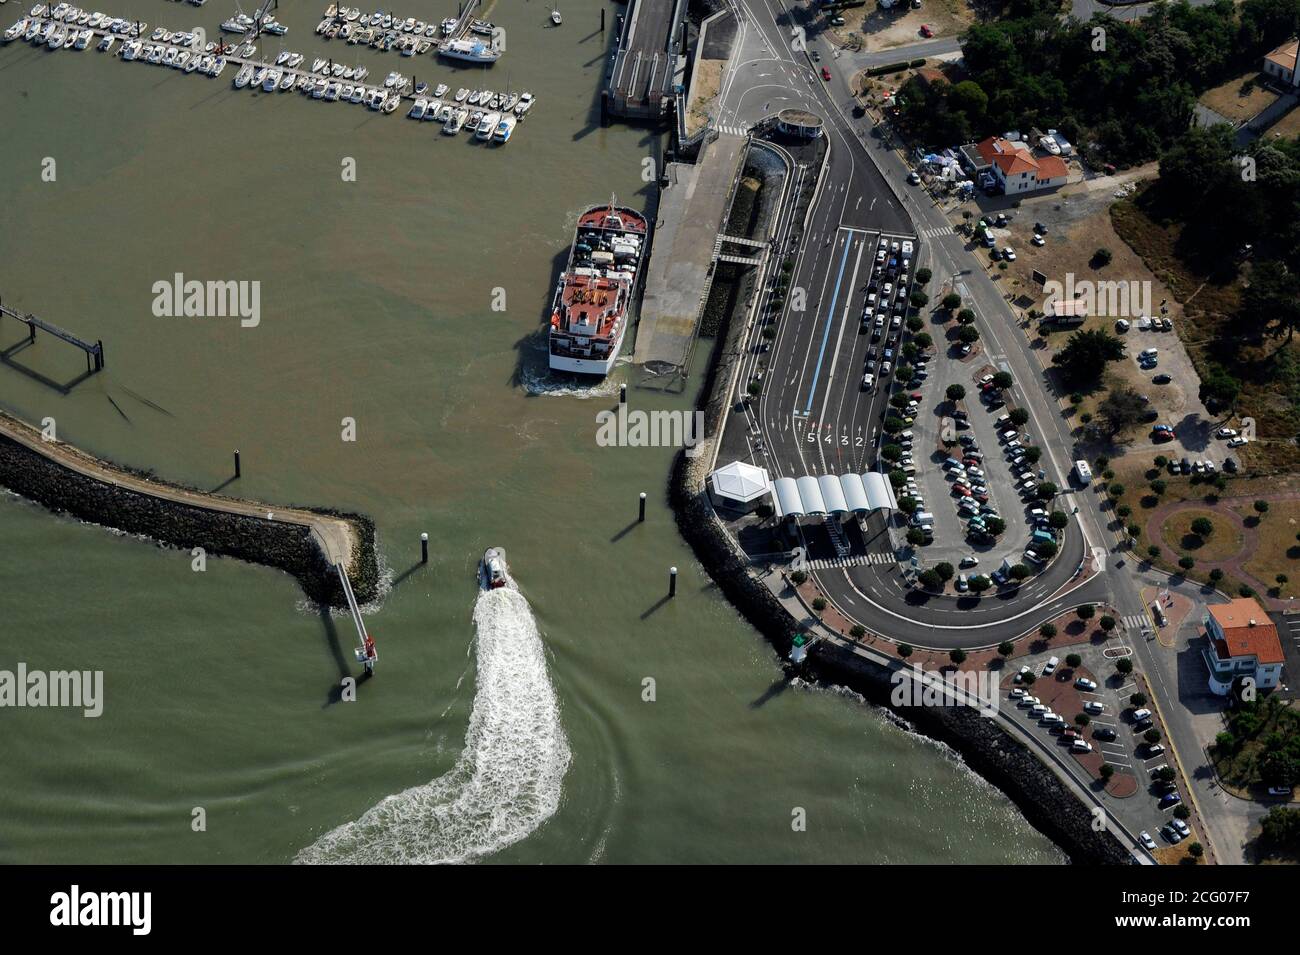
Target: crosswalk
<point>855,561</point>
<point>732,130</point>
<point>936,232</point>
<point>1135,621</point>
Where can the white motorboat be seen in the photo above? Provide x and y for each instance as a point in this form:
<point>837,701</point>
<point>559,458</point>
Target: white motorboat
<point>375,99</point>
<point>487,126</point>
<point>15,31</point>
<point>440,90</point>
<point>243,76</point>
<point>456,121</point>
<point>418,108</point>
<point>286,81</point>
<point>182,59</point>
<point>361,73</point>
<point>169,56</point>
<point>271,81</point>
<point>332,90</point>
<point>493,571</point>
<point>474,97</point>
<point>194,63</point>
<point>555,16</point>
<point>358,94</point>
<point>433,109</point>
<point>525,104</point>
<point>461,94</point>
<point>508,102</point>
<point>475,118</point>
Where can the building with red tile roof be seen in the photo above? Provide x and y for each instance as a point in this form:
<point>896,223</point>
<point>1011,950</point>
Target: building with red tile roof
<point>1017,169</point>
<point>1282,63</point>
<point>1243,643</point>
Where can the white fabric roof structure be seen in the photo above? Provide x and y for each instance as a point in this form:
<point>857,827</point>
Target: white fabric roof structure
<point>742,482</point>
<point>833,494</point>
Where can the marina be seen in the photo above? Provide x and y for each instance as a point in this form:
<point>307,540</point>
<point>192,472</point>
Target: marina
<point>63,26</point>
<point>463,37</point>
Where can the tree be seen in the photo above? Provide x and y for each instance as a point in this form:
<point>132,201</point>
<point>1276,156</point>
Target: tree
<point>955,393</point>
<point>1261,508</point>
<point>916,537</point>
<point>907,505</point>
<point>1272,299</point>
<point>951,301</point>
<point>1106,771</point>
<point>1005,648</point>
<point>1046,549</point>
<point>1073,660</point>
<point>1101,258</point>
<point>1107,623</point>
<point>1085,356</point>
<point>1058,519</point>
<point>957,656</point>
<point>1028,678</point>
<point>1086,612</point>
<point>966,316</point>
<point>1152,736</point>
<point>945,570</point>
<point>1047,631</point>
<point>798,578</point>
<point>996,526</point>
<point>1196,850</point>
<point>891,452</point>
<point>1116,489</point>
<point>980,583</point>
<point>1153,551</point>
<point>1138,699</point>
<point>1202,527</point>
<point>923,340</point>
<point>1019,417</point>
<point>857,631</point>
<point>1159,487</point>
<point>968,334</point>
<point>1122,408</point>
<point>1186,562</point>
<point>922,276</point>
<point>904,650</point>
<point>919,299</point>
<point>1082,719</point>
<point>819,604</point>
<point>1124,665</point>
<point>1033,453</point>
<point>1019,571</point>
<point>1046,491</point>
<point>1003,380</point>
<point>930,580</point>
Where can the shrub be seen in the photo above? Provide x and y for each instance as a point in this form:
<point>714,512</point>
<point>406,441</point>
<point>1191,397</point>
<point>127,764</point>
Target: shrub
<point>1006,647</point>
<point>819,604</point>
<point>857,631</point>
<point>1073,660</point>
<point>905,650</point>
<point>957,656</point>
<point>1086,612</point>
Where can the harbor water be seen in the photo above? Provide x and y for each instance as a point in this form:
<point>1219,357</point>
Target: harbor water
<point>406,299</point>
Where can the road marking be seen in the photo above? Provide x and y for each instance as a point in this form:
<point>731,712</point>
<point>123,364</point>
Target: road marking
<point>830,320</point>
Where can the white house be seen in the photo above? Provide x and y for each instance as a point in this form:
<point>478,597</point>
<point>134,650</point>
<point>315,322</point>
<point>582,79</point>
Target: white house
<point>1282,62</point>
<point>1016,168</point>
<point>1243,643</point>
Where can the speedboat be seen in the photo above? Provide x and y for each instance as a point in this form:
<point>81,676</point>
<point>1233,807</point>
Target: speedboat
<point>182,59</point>
<point>505,129</point>
<point>555,16</point>
<point>421,88</point>
<point>56,38</point>
<point>169,56</point>
<point>440,90</point>
<point>243,76</point>
<point>487,126</point>
<point>259,74</point>
<point>455,121</point>
<point>434,108</point>
<point>358,94</point>
<point>318,90</point>
<point>375,99</point>
<point>14,31</point>
<point>474,98</point>
<point>508,101</point>
<point>494,572</point>
<point>525,104</point>
<point>337,69</point>
<point>391,80</point>
<point>332,91</point>
<point>391,102</point>
<point>475,118</point>
<point>271,81</point>
<point>461,94</point>
<point>193,63</point>
<point>361,73</point>
<point>417,110</point>
<point>286,81</point>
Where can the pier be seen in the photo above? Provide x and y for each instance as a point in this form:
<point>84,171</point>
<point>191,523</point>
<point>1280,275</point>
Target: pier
<point>94,352</point>
<point>648,62</point>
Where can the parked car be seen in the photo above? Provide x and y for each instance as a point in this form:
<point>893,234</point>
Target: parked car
<point>914,178</point>
<point>1144,837</point>
<point>1142,714</point>
<point>826,74</point>
<point>1169,799</point>
<point>1084,683</point>
<point>1104,733</point>
<point>1094,708</point>
<point>926,31</point>
<point>1050,665</point>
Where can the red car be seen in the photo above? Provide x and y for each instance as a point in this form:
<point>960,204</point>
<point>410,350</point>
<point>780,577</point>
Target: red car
<point>826,74</point>
<point>926,31</point>
<point>962,491</point>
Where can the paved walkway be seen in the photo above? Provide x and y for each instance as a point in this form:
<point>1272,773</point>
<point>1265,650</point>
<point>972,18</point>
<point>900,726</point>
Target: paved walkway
<point>1234,566</point>
<point>334,535</point>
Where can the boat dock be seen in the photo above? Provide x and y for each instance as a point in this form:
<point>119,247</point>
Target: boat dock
<point>94,352</point>
<point>649,62</point>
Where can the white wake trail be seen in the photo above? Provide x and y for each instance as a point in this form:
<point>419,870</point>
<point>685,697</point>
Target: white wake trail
<point>507,781</point>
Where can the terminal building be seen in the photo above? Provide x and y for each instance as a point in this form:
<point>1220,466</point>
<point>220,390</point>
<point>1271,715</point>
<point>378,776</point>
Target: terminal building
<point>797,122</point>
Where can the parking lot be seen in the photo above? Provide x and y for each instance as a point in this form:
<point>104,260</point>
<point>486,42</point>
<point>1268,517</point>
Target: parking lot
<point>1113,734</point>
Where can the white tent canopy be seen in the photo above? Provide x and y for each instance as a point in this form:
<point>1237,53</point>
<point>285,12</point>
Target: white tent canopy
<point>833,494</point>
<point>739,481</point>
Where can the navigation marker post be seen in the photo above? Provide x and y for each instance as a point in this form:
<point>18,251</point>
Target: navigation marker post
<point>424,548</point>
<point>622,394</point>
<point>640,519</point>
<point>236,463</point>
<point>672,581</point>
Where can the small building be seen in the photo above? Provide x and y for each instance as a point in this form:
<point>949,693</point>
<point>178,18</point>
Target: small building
<point>1243,643</point>
<point>1067,312</point>
<point>1015,167</point>
<point>739,485</point>
<point>1283,64</point>
<point>798,122</point>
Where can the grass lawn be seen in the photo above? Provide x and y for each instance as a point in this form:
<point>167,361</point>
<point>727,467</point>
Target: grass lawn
<point>1239,99</point>
<point>1288,127</point>
<point>1279,550</point>
<point>1223,543</point>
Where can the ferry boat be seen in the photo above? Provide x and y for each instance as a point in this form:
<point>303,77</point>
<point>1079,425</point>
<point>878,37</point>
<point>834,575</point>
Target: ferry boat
<point>596,293</point>
<point>494,572</point>
<point>469,50</point>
